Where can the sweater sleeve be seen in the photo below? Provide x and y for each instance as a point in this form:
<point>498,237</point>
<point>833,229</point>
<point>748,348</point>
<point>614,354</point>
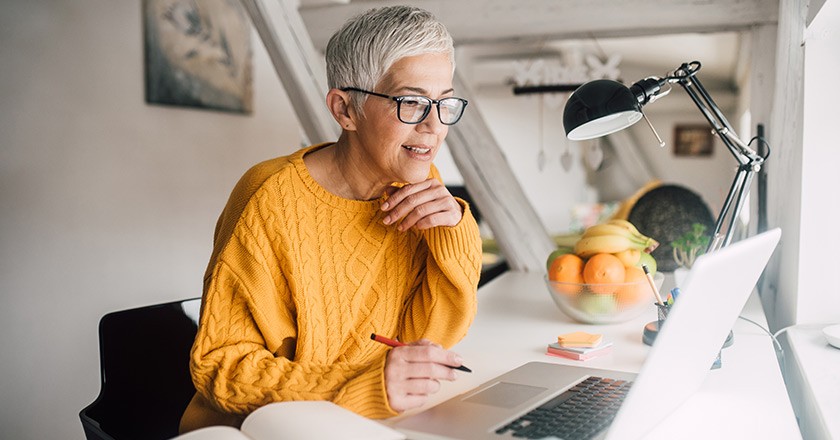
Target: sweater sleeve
<point>443,304</point>
<point>243,356</point>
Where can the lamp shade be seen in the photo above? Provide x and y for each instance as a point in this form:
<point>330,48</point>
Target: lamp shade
<point>599,108</point>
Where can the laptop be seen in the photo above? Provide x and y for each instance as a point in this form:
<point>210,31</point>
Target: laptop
<point>516,403</point>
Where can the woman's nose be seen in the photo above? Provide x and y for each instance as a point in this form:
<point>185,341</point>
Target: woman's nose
<point>432,124</point>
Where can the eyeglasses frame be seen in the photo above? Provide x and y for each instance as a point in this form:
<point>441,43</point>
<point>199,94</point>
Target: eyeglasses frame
<point>399,99</point>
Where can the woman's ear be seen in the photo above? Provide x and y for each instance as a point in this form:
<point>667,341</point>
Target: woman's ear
<point>342,109</point>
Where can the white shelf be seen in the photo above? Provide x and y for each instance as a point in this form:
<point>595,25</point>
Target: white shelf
<point>813,374</point>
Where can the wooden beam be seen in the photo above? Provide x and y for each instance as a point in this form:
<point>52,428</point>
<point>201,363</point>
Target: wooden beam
<point>631,161</point>
<point>489,179</point>
<point>762,72</point>
<point>814,7</point>
<point>785,162</point>
<point>297,64</point>
<point>497,21</point>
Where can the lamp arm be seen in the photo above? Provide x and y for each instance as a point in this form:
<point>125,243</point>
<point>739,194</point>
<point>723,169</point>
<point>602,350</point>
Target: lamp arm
<point>686,77</point>
<point>737,193</point>
<point>749,161</point>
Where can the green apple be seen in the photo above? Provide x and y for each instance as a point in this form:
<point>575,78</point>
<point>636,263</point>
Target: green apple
<point>597,304</point>
<point>647,260</point>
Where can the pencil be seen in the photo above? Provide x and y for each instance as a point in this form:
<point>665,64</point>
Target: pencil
<point>652,285</point>
<point>393,343</point>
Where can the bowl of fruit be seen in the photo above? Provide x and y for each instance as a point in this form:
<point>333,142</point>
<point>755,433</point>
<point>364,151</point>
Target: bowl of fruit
<point>602,279</point>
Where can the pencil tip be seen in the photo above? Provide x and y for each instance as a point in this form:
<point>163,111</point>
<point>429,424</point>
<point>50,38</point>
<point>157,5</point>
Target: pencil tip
<point>373,336</point>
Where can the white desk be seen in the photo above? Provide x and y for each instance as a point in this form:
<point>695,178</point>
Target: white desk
<point>812,370</point>
<point>746,398</point>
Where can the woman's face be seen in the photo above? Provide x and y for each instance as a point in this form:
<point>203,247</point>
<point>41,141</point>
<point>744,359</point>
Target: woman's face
<point>401,152</point>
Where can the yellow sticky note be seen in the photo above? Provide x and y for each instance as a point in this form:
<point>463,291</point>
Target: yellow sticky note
<point>579,339</point>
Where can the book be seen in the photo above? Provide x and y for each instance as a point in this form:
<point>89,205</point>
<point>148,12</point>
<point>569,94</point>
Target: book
<point>312,420</point>
<point>578,353</point>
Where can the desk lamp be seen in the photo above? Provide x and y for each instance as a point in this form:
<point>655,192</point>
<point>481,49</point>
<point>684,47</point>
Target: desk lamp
<point>600,107</point>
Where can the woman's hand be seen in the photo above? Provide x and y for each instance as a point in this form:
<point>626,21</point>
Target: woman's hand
<point>413,372</point>
<point>422,205</point>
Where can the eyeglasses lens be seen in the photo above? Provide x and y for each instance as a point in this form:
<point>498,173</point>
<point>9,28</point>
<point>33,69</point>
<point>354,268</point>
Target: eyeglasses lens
<point>450,110</point>
<point>413,109</point>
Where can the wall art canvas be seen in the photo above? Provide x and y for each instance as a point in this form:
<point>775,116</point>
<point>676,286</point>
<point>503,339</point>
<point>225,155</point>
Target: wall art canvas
<point>693,140</point>
<point>198,54</point>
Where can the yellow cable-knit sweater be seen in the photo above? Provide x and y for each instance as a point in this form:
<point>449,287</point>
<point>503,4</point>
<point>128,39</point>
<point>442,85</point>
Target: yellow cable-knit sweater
<point>298,280</point>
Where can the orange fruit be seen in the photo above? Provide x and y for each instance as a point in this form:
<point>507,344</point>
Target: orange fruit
<point>557,252</point>
<point>636,289</point>
<point>603,269</point>
<point>567,268</point>
<point>629,257</point>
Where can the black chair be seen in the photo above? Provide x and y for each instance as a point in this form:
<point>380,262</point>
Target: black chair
<point>144,363</point>
<point>488,272</point>
<point>461,191</point>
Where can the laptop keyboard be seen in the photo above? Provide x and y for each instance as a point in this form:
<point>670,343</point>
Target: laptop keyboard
<point>577,414</point>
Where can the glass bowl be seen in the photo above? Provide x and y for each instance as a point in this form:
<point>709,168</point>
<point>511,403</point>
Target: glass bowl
<point>604,303</point>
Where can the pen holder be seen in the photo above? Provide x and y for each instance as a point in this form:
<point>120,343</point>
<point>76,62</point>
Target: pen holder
<point>652,329</point>
<point>661,314</point>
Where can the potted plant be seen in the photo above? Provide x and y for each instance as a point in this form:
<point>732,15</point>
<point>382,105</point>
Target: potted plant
<point>687,248</point>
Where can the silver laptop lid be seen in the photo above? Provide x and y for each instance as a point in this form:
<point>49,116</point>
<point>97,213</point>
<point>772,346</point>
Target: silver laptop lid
<point>715,292</point>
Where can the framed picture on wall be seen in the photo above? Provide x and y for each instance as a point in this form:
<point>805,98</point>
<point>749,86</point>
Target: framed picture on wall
<point>693,140</point>
<point>198,54</point>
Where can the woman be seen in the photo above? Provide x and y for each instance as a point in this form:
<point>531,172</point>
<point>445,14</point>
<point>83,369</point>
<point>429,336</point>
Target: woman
<point>317,250</point>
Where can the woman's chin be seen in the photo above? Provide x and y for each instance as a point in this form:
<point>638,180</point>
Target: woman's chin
<point>417,174</point>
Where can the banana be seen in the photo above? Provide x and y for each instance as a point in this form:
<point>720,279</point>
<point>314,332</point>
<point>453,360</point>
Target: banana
<point>651,243</point>
<point>621,230</point>
<point>609,229</point>
<point>609,244</point>
<point>624,224</point>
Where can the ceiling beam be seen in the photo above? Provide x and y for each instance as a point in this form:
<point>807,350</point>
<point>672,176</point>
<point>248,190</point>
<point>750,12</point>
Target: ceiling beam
<point>297,64</point>
<point>498,21</point>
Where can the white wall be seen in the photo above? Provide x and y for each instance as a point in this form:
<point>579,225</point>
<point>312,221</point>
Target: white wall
<point>817,296</point>
<point>514,122</point>
<point>554,192</point>
<point>106,202</point>
<point>802,178</point>
<point>709,176</point>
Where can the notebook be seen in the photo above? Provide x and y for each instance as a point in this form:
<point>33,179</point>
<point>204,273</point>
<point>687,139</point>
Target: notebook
<point>713,295</point>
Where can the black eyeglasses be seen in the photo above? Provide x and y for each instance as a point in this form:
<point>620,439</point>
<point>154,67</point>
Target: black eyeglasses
<point>413,109</point>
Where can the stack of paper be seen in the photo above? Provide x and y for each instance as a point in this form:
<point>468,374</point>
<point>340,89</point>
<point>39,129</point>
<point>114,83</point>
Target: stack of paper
<point>579,346</point>
<point>580,354</point>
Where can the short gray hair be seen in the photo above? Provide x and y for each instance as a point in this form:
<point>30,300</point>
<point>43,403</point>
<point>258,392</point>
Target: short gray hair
<point>361,52</point>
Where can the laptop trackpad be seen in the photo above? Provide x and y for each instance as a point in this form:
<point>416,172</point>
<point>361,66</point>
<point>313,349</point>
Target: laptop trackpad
<point>505,395</point>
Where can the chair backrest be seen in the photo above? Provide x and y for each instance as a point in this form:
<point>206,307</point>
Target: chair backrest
<point>461,191</point>
<point>144,363</point>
